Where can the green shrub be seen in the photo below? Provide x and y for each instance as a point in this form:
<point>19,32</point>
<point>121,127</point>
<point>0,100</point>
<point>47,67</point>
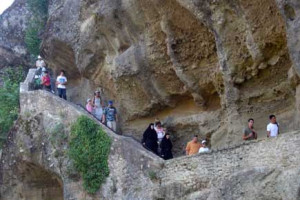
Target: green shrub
<point>37,22</point>
<point>32,39</point>
<point>9,100</point>
<point>89,150</point>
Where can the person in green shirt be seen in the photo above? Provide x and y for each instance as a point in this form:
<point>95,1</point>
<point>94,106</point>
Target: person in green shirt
<point>249,132</point>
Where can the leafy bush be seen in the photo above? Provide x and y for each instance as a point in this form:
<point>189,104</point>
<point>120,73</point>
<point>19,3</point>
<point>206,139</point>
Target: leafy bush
<point>39,9</point>
<point>89,150</point>
<point>9,100</point>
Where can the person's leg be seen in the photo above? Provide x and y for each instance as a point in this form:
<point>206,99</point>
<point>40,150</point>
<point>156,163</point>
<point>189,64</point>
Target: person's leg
<point>114,126</point>
<point>64,94</point>
<point>109,124</point>
<point>59,92</point>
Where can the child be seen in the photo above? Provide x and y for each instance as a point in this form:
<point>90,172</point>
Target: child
<point>89,106</point>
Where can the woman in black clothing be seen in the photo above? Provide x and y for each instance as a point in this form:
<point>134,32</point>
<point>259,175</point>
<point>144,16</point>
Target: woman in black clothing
<point>166,147</point>
<point>150,139</point>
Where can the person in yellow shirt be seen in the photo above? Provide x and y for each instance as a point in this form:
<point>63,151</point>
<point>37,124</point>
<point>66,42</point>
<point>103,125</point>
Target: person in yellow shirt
<point>193,146</point>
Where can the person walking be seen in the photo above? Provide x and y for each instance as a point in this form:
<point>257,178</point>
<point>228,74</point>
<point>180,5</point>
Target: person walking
<point>61,82</point>
<point>110,116</point>
<point>166,147</point>
<point>150,139</point>
<point>97,101</point>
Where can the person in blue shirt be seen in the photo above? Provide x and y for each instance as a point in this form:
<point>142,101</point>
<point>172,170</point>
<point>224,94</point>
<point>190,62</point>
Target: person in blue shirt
<point>110,116</point>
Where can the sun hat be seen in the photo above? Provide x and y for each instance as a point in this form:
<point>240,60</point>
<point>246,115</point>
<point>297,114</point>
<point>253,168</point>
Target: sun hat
<point>203,141</point>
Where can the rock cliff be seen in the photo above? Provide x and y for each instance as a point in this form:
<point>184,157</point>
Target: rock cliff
<point>200,67</point>
<point>36,166</point>
<point>13,23</point>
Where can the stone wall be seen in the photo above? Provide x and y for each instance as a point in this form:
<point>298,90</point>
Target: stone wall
<point>265,169</point>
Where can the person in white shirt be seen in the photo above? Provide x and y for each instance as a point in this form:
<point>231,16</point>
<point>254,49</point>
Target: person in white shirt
<point>272,128</point>
<point>204,148</point>
<point>40,63</point>
<point>61,82</point>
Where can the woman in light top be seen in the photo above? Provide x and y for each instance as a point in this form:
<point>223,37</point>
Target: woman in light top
<point>160,131</point>
<point>97,101</point>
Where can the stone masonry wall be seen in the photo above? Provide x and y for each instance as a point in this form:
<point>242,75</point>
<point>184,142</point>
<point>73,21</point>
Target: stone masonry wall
<point>266,169</point>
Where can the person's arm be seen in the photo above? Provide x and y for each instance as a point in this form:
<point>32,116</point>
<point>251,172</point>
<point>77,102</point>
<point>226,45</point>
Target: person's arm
<point>268,131</point>
<point>187,149</point>
<point>144,138</point>
<point>66,81</point>
<point>103,116</point>
<point>116,114</point>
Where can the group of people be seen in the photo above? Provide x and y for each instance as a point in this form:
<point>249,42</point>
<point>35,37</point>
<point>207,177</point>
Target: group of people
<point>43,79</point>
<point>272,129</point>
<point>107,115</point>
<point>157,140</point>
<point>155,137</point>
<point>95,106</point>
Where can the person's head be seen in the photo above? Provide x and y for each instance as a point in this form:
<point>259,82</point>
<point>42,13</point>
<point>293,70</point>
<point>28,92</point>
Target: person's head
<point>62,72</point>
<point>97,93</point>
<point>272,119</point>
<point>204,143</point>
<point>158,124</point>
<point>250,122</point>
<point>195,138</point>
<point>151,126</point>
<point>39,57</point>
<point>167,135</point>
<point>89,101</point>
<point>110,103</point>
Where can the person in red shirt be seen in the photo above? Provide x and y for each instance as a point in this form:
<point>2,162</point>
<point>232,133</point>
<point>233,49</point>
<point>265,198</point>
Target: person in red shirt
<point>46,81</point>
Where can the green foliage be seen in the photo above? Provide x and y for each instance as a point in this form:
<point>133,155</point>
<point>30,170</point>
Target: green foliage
<point>152,175</point>
<point>89,150</point>
<point>39,8</point>
<point>32,39</point>
<point>9,100</point>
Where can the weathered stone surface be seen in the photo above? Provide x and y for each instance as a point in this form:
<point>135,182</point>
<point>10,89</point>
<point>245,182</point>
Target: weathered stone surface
<point>32,150</point>
<point>13,23</point>
<point>34,166</point>
<point>183,60</point>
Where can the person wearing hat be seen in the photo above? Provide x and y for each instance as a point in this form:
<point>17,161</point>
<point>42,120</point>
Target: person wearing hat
<point>110,116</point>
<point>46,81</point>
<point>204,148</point>
<point>98,105</point>
<point>89,106</point>
<point>40,63</point>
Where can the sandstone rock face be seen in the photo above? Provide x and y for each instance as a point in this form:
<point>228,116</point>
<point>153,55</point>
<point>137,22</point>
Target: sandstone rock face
<point>13,23</point>
<point>201,67</point>
<point>35,165</point>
